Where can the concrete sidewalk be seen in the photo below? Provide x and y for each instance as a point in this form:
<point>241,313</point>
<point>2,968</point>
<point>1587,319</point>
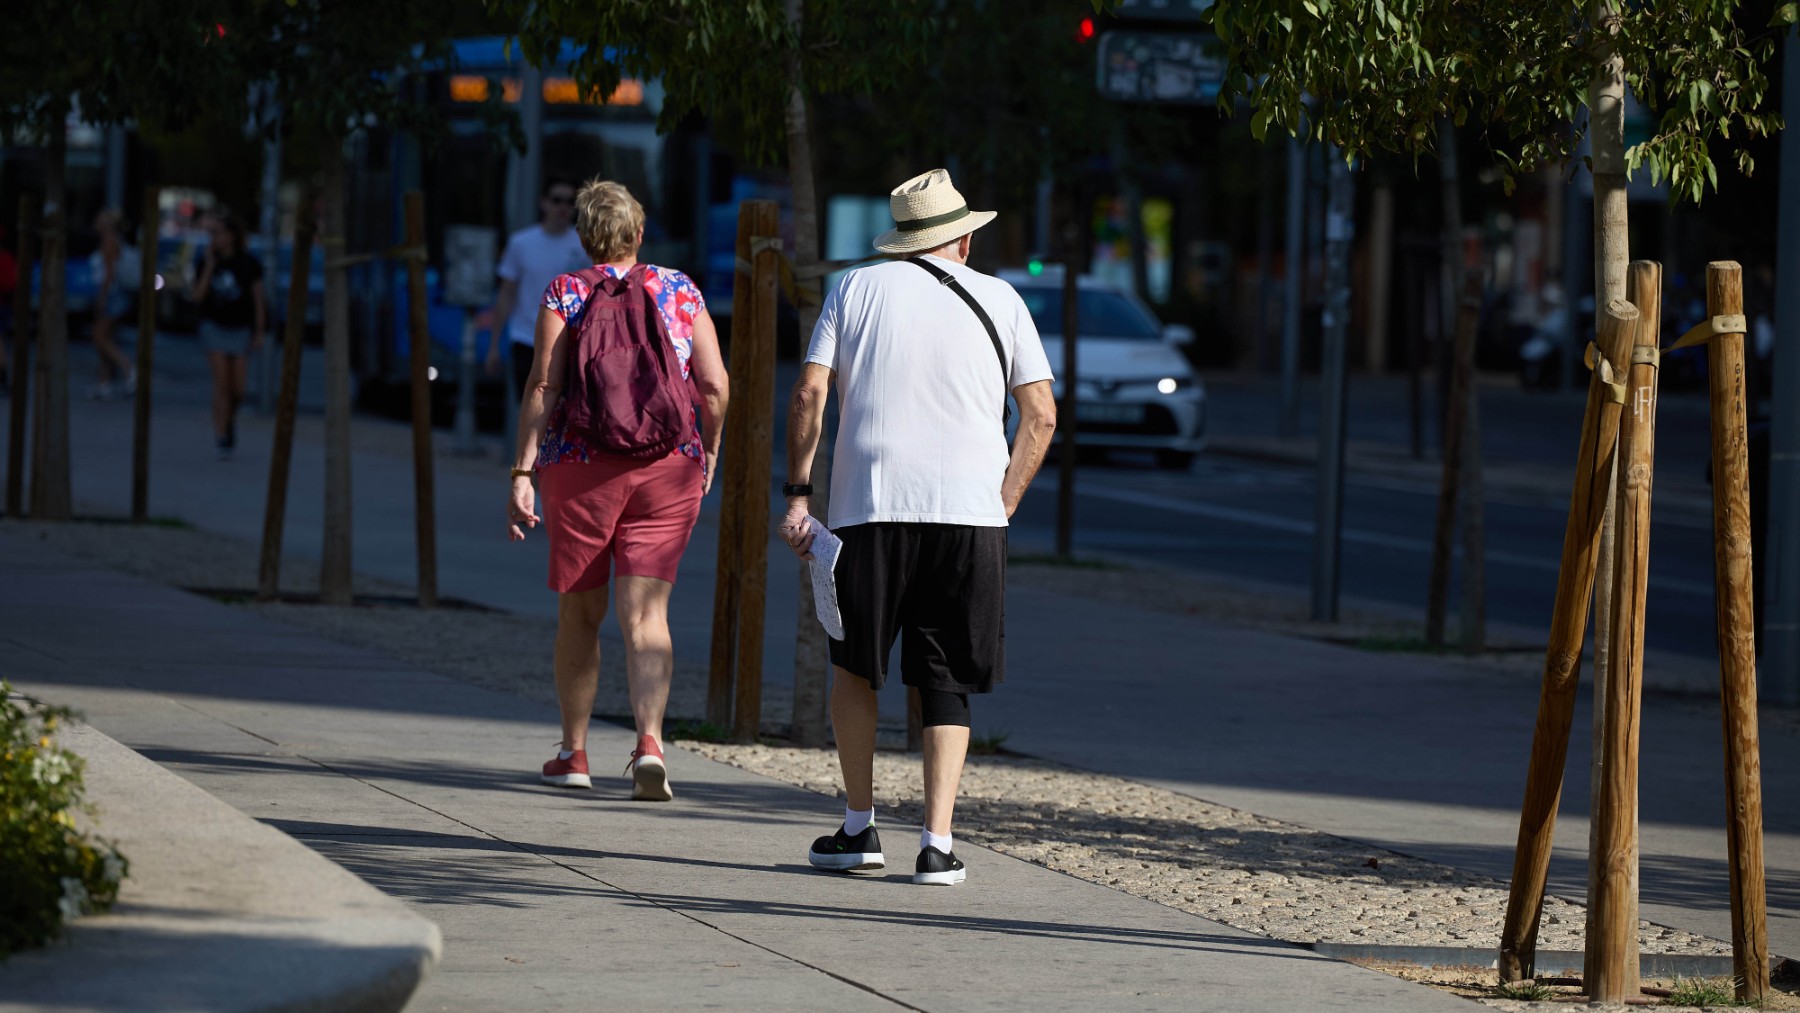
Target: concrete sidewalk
<point>1422,755</point>
<point>552,900</point>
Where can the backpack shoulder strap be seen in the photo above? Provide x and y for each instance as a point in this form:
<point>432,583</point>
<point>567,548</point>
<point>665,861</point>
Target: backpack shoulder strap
<point>949,281</point>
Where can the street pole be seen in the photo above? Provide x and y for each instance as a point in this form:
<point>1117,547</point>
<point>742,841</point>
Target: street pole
<point>419,335</point>
<point>1781,581</point>
<point>467,365</point>
<point>1340,228</point>
<point>1295,256</point>
<point>115,168</point>
<point>1075,243</point>
<point>146,362</point>
<point>19,370</point>
<point>270,227</point>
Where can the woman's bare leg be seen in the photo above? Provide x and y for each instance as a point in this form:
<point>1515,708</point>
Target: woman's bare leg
<point>113,362</point>
<point>649,651</point>
<point>221,393</point>
<point>240,378</point>
<point>577,661</point>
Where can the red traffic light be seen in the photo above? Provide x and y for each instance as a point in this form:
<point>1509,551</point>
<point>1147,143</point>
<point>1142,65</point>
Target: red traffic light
<point>1085,30</point>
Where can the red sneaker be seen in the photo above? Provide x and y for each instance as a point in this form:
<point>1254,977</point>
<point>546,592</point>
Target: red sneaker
<point>569,773</point>
<point>649,775</point>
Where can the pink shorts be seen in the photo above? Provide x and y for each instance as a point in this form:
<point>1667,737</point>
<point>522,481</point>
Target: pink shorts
<point>639,512</point>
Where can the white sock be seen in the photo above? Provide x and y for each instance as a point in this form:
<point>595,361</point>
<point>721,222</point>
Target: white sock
<point>563,754</point>
<point>927,839</point>
<point>857,820</point>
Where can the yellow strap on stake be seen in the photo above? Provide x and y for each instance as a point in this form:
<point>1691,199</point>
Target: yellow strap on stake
<point>1645,355</point>
<point>1597,362</point>
<point>1706,330</point>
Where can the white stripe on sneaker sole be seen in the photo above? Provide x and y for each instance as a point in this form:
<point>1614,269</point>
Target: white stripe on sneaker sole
<point>950,878</point>
<point>567,780</point>
<point>848,861</point>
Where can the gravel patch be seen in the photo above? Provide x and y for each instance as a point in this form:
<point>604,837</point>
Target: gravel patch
<point>1268,877</point>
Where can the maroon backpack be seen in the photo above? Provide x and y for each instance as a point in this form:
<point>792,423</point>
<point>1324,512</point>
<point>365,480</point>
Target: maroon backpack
<point>625,392</point>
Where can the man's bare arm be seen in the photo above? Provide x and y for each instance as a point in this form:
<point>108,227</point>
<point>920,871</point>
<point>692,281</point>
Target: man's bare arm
<point>1037,426</point>
<point>806,421</point>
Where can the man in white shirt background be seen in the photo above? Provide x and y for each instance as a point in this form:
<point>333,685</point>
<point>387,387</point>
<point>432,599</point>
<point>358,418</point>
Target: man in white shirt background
<point>533,257</point>
<point>923,353</point>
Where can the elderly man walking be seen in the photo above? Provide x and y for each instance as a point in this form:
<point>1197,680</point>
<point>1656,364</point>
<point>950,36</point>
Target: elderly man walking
<point>923,352</point>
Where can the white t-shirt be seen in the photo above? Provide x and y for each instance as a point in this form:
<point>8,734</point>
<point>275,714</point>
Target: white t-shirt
<point>534,258</point>
<point>920,393</point>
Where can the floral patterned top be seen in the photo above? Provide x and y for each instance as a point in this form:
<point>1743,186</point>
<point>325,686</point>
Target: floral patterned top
<point>679,301</point>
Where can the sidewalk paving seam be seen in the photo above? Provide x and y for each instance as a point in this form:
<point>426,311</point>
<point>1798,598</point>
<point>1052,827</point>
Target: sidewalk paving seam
<point>525,850</point>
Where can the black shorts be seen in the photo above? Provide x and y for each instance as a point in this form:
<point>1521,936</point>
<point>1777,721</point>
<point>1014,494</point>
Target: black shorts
<point>941,587</point>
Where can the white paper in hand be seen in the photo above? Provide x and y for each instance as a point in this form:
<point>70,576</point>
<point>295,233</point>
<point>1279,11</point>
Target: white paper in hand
<point>825,549</point>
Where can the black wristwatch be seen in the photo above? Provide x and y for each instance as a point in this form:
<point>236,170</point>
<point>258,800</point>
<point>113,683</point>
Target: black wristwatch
<point>790,489</point>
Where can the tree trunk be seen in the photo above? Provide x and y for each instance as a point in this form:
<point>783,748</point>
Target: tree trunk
<point>334,564</point>
<point>51,496</point>
<point>811,664</point>
<point>1612,257</point>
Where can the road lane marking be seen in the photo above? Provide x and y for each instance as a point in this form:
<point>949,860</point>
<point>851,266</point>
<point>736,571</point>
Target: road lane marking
<point>1372,539</point>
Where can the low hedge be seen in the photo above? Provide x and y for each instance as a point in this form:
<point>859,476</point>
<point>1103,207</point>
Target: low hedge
<point>53,870</point>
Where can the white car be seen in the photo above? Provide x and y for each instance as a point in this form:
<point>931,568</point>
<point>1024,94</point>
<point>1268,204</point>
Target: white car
<point>1134,387</point>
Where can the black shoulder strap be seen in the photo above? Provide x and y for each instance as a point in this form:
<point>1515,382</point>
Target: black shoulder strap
<point>949,281</point>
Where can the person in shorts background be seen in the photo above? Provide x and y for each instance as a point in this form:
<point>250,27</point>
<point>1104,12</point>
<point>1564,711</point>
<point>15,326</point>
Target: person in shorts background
<point>115,279</point>
<point>233,313</point>
<point>612,519</point>
<point>922,489</point>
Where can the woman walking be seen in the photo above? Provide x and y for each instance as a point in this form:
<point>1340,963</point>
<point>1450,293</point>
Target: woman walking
<point>229,289</point>
<point>611,517</point>
<point>112,300</point>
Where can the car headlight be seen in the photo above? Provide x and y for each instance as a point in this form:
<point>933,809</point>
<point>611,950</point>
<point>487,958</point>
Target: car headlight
<point>1168,385</point>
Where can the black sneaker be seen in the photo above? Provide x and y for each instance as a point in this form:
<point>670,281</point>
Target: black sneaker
<point>936,868</point>
<point>843,853</point>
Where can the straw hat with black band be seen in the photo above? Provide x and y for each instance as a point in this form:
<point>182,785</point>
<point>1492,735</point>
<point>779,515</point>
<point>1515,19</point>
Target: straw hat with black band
<point>928,212</point>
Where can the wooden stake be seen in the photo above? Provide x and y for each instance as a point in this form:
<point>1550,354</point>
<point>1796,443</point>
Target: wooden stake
<point>336,567</point>
<point>19,370</point>
<point>146,360</point>
<point>419,333</point>
<point>1562,655</point>
<point>756,394</point>
<point>268,582</point>
<point>1456,419</point>
<point>1737,644</point>
<point>733,481</point>
<point>1612,958</point>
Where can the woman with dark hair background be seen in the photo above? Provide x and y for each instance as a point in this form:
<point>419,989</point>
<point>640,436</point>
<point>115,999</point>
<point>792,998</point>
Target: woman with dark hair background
<point>229,288</point>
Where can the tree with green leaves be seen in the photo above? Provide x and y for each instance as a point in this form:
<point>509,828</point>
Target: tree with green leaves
<point>109,62</point>
<point>752,68</point>
<point>1539,78</point>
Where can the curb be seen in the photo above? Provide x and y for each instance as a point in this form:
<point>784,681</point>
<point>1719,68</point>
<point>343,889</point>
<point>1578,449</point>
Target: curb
<point>219,912</point>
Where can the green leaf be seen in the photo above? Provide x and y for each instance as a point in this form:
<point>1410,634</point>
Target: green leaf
<point>1311,7</point>
<point>1786,14</point>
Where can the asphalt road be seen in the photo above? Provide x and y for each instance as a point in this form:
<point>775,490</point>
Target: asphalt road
<point>1255,520</point>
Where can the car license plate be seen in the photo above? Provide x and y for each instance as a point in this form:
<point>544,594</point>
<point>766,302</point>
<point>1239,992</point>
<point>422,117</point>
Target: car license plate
<point>1111,414</point>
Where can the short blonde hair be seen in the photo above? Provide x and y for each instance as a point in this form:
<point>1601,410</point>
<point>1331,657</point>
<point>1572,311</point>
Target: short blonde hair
<point>608,219</point>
